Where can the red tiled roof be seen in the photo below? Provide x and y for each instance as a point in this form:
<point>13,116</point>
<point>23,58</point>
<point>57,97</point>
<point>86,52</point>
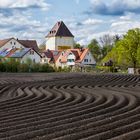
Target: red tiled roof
<point>49,54</point>
<point>52,54</point>
<point>60,29</point>
<point>80,53</point>
<point>83,54</point>
<point>55,55</point>
<point>64,57</point>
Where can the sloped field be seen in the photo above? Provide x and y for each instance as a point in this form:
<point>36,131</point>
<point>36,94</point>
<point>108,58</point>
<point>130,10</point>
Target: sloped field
<point>69,107</point>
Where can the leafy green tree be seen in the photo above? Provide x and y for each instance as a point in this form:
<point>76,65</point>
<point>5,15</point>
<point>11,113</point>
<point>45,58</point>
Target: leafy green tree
<point>131,45</point>
<point>77,46</point>
<point>95,49</point>
<point>126,51</point>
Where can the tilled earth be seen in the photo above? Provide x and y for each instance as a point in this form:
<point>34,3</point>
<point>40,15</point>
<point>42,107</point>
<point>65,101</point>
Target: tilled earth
<point>69,107</point>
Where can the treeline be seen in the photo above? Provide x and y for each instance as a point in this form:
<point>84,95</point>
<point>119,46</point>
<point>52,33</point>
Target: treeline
<point>100,48</point>
<point>126,51</point>
<point>123,51</point>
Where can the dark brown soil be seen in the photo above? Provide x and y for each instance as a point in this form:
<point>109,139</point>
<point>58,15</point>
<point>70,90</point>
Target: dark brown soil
<point>69,106</point>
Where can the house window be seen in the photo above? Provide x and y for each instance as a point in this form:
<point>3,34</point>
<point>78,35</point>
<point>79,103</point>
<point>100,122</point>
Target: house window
<point>85,60</point>
<point>59,60</point>
<point>70,60</point>
<point>11,43</point>
<point>14,43</point>
<point>31,52</point>
<point>33,60</point>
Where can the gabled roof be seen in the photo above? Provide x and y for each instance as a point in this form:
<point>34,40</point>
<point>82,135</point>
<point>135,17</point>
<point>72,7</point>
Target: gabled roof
<point>80,54</point>
<point>26,43</point>
<point>15,52</point>
<point>4,41</point>
<point>29,44</point>
<point>60,29</point>
<point>55,55</point>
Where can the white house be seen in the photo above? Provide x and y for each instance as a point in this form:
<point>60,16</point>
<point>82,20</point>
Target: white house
<point>59,37</point>
<point>20,49</point>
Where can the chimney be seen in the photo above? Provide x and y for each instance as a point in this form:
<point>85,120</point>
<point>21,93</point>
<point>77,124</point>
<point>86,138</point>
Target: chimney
<point>81,49</point>
<point>59,23</point>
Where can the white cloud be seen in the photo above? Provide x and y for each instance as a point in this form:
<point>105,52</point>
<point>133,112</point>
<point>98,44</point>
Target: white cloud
<point>24,4</point>
<point>22,26</point>
<point>124,23</point>
<point>92,21</point>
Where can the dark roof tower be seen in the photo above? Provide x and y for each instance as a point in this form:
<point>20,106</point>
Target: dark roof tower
<point>60,29</point>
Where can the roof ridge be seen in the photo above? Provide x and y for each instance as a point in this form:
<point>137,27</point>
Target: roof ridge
<point>60,29</point>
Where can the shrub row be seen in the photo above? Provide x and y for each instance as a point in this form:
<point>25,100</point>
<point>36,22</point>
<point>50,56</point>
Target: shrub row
<point>14,66</point>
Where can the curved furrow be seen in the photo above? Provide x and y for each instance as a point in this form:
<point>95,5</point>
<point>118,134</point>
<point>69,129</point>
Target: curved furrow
<point>69,106</point>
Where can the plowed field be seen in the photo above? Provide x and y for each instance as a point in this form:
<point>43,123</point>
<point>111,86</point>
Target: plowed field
<point>69,107</point>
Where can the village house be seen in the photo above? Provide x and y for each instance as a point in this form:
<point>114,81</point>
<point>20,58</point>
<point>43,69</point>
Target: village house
<point>22,50</point>
<point>60,52</point>
<point>71,57</point>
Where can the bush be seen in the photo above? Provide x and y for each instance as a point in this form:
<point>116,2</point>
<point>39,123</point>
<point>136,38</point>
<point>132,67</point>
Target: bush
<point>11,65</point>
<point>65,69</point>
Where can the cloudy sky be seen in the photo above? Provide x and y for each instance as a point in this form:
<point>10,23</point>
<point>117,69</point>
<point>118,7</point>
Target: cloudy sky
<point>87,19</point>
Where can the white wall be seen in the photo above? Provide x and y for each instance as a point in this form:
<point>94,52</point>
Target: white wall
<point>44,59</point>
<point>72,57</point>
<point>52,43</point>
<point>33,57</point>
<point>89,57</point>
<point>13,43</point>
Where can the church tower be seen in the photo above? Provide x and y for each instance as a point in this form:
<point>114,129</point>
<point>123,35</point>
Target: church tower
<point>59,37</point>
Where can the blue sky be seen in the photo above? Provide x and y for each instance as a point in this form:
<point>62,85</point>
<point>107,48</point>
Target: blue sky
<point>87,19</point>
